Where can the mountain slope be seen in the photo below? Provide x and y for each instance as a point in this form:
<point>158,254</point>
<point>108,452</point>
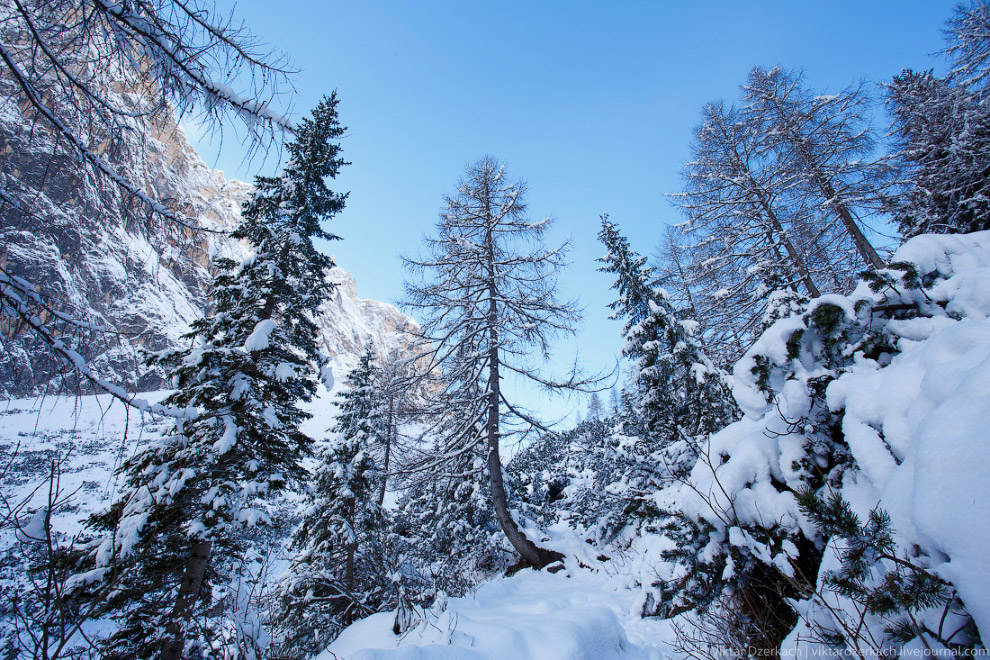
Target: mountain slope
<point>98,256</point>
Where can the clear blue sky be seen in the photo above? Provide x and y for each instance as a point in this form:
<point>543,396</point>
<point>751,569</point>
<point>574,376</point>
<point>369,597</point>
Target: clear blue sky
<point>593,103</point>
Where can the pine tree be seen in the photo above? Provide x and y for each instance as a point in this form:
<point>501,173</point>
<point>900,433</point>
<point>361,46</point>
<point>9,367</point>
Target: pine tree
<point>897,589</point>
<point>176,530</point>
<point>339,574</point>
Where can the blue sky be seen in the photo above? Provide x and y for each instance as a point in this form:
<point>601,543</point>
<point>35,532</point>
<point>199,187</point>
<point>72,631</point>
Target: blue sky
<point>592,103</point>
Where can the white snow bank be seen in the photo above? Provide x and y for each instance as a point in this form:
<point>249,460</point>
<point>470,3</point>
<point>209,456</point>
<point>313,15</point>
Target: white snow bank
<point>917,423</point>
<point>537,615</point>
<point>919,428</point>
<point>921,441</point>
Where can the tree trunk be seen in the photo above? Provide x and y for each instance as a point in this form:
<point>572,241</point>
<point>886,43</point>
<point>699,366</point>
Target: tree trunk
<point>537,557</point>
<point>862,244</point>
<point>777,227</point>
<point>389,431</point>
<point>351,548</point>
<point>792,253</point>
<point>189,588</point>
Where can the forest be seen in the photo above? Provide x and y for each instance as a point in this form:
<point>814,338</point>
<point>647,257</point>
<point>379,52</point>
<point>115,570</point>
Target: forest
<point>793,463</point>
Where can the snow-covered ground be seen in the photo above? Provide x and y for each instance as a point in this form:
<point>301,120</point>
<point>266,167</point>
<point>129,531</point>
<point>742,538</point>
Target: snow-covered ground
<point>86,438</point>
<point>585,611</point>
<point>916,423</point>
<point>575,614</point>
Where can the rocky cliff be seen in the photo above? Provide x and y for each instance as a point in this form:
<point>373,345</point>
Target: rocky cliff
<point>98,256</point>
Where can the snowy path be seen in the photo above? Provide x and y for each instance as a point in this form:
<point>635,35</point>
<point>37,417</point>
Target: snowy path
<point>531,615</point>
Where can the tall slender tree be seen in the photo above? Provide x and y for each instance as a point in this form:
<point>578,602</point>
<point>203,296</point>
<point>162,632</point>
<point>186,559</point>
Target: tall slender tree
<point>487,290</point>
<point>173,533</point>
<point>825,142</point>
<point>745,228</point>
<point>680,394</point>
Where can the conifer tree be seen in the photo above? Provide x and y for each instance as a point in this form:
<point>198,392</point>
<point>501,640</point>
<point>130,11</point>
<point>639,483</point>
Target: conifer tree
<point>942,126</point>
<point>677,398</point>
<point>969,46</point>
<point>943,133</point>
<point>338,576</point>
<point>174,533</point>
<point>450,526</point>
<point>748,232</point>
<point>447,515</point>
<point>679,394</point>
<point>822,141</point>
<point>487,285</point>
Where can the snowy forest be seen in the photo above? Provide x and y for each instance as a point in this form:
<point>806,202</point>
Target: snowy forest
<point>211,448</point>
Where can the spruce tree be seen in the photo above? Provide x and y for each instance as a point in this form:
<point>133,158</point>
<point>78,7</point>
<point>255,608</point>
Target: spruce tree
<point>339,575</point>
<point>174,534</point>
<point>679,394</point>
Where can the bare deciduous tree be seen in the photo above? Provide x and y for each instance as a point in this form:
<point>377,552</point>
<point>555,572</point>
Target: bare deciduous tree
<point>825,142</point>
<point>487,290</point>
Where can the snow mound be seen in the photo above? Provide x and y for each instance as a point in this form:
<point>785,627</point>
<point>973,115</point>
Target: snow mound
<point>571,615</point>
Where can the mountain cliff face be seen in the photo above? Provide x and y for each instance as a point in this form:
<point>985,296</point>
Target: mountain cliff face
<point>98,256</point>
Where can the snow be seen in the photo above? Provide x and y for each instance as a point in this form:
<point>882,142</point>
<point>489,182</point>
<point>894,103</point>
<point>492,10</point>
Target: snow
<point>916,425</point>
<point>258,339</point>
<point>920,440</point>
<point>922,421</point>
<point>575,614</point>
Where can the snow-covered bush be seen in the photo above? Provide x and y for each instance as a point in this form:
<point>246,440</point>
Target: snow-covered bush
<point>879,397</point>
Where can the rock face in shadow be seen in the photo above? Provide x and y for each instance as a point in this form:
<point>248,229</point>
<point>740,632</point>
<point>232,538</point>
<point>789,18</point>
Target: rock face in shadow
<point>95,253</point>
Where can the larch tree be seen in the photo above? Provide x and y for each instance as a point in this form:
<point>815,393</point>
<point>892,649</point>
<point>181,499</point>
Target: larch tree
<point>487,293</point>
<point>825,142</point>
<point>173,533</point>
<point>744,226</point>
